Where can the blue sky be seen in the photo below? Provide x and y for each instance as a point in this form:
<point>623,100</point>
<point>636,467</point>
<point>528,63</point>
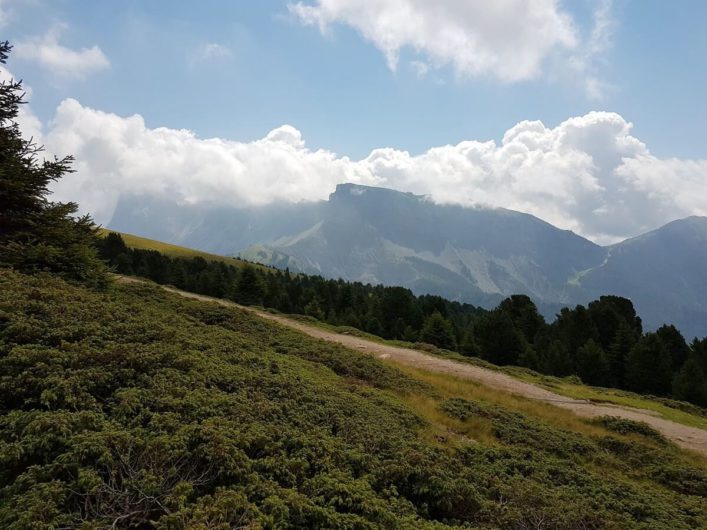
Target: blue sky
<point>238,70</point>
<point>338,90</point>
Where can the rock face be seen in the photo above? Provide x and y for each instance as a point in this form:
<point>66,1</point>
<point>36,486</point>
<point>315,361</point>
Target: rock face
<point>476,255</point>
<point>380,235</point>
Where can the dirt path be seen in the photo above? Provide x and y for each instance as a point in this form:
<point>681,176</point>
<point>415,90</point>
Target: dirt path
<point>687,437</point>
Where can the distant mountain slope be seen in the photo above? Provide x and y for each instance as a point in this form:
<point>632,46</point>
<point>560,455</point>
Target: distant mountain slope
<point>476,255</point>
<point>380,235</point>
<point>664,272</point>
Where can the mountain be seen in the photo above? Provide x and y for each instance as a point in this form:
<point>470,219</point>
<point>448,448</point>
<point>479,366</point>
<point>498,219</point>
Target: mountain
<point>664,272</point>
<point>475,255</point>
<point>471,254</point>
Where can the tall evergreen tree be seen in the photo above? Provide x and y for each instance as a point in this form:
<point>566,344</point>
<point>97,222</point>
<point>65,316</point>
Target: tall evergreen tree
<point>468,345</point>
<point>554,359</point>
<point>524,314</point>
<point>438,331</point>
<point>37,234</point>
<point>609,313</point>
<point>592,364</point>
<point>499,340</point>
<point>648,367</point>
<point>574,327</point>
<point>624,339</point>
<point>699,350</point>
<point>690,383</point>
<point>675,343</point>
<point>249,287</point>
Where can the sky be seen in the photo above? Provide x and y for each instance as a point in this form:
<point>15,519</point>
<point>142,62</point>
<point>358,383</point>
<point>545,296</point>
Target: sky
<point>589,114</point>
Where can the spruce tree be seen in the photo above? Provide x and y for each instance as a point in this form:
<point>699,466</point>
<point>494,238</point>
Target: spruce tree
<point>592,364</point>
<point>624,339</point>
<point>438,330</point>
<point>37,234</point>
<point>690,383</point>
<point>648,367</point>
<point>249,287</point>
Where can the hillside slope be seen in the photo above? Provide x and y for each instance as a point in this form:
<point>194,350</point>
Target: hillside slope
<point>692,438</point>
<point>136,405</point>
<point>473,255</point>
<point>663,271</point>
<point>173,251</point>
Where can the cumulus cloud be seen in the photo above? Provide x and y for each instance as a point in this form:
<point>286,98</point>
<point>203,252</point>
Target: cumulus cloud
<point>588,174</point>
<point>115,155</point>
<point>61,62</point>
<point>507,39</point>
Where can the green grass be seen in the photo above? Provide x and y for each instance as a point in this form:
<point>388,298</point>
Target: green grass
<point>175,251</point>
<point>679,412</point>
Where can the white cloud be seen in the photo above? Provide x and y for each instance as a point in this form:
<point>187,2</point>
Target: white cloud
<point>208,52</point>
<point>588,173</point>
<point>62,62</point>
<point>594,51</point>
<point>507,39</point>
<point>421,68</point>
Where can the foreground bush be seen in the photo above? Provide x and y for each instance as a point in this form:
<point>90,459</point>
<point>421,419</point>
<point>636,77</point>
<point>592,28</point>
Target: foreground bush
<point>136,409</point>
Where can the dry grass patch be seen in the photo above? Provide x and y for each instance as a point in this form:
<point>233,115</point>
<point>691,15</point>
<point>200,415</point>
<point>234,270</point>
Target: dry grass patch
<point>448,386</point>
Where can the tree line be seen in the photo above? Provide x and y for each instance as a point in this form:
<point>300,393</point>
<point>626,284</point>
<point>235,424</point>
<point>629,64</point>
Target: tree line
<point>604,343</point>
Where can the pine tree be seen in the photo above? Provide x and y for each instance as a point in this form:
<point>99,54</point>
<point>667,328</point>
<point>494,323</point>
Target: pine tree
<point>529,358</point>
<point>499,340</point>
<point>611,312</point>
<point>249,287</point>
<point>624,339</point>
<point>524,314</point>
<point>554,359</point>
<point>592,364</point>
<point>468,345</point>
<point>313,309</point>
<point>699,350</point>
<point>35,233</point>
<point>690,383</point>
<point>675,343</point>
<point>648,366</point>
<point>438,330</point>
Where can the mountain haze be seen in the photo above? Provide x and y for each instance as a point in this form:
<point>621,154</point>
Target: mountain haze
<point>379,235</point>
<point>475,255</point>
<point>217,229</point>
<point>663,272</point>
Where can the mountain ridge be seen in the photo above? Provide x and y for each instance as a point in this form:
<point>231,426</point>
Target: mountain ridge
<point>478,255</point>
